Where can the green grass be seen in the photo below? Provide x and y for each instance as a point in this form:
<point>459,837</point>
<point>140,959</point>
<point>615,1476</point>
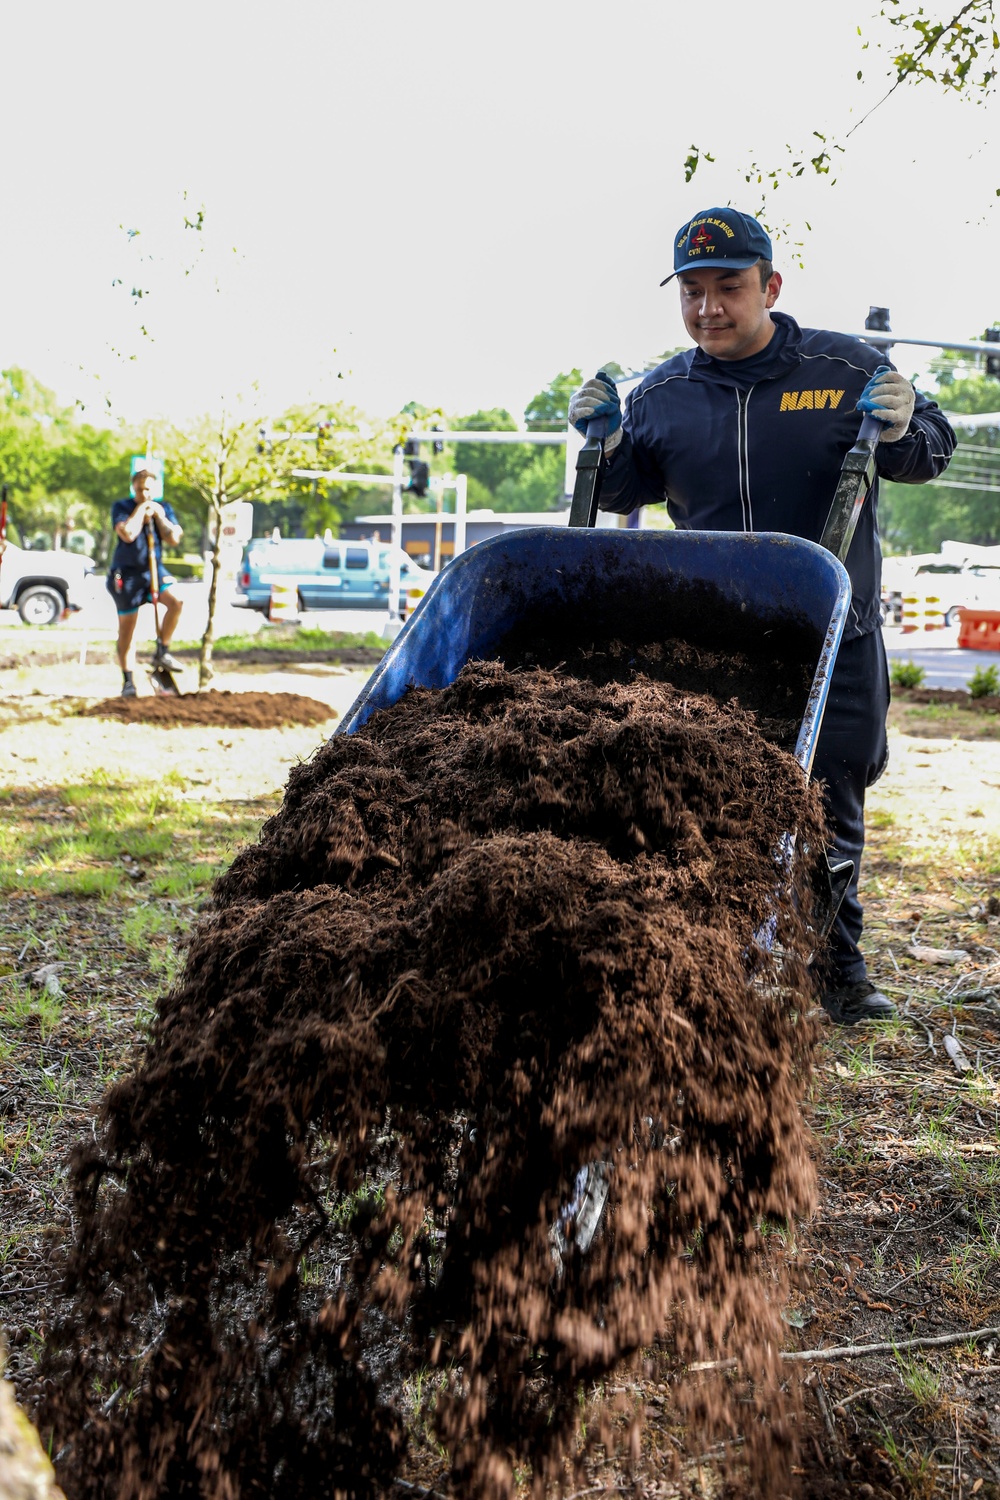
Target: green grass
<point>69,899</point>
<point>304,638</point>
<point>96,833</point>
<point>41,1005</point>
<point>923,1383</point>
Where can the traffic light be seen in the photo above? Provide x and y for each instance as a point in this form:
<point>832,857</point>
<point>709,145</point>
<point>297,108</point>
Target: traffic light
<point>419,476</point>
<point>438,444</point>
<point>877,320</point>
<point>992,336</point>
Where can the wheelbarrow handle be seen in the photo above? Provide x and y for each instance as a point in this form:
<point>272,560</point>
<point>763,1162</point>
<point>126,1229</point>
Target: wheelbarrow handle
<point>589,464</point>
<point>857,476</point>
<point>871,428</point>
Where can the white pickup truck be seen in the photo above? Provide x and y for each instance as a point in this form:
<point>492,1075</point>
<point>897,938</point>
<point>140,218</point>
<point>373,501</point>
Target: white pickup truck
<point>42,586</point>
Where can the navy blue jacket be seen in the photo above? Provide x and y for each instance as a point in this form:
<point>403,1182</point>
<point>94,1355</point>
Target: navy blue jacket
<point>133,557</point>
<point>728,455</point>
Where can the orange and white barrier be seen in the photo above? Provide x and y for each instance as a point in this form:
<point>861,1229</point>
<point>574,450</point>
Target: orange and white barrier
<point>979,629</point>
<point>283,608</point>
<point>413,598</point>
<point>923,612</point>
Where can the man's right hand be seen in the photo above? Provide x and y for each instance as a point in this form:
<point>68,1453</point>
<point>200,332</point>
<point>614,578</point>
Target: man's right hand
<point>598,398</point>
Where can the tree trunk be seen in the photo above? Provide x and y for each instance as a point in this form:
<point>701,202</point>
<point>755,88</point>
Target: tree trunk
<point>205,669</point>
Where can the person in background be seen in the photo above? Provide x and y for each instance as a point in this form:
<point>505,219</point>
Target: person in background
<point>129,579</point>
<point>747,431</point>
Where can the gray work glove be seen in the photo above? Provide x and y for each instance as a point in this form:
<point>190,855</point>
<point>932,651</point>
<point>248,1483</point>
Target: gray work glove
<point>890,397</point>
<point>598,398</point>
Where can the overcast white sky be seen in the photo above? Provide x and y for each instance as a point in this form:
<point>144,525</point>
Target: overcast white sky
<point>449,202</point>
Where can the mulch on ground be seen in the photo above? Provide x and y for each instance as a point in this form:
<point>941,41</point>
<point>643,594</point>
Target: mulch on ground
<point>214,707</point>
<point>959,697</point>
<point>507,929</point>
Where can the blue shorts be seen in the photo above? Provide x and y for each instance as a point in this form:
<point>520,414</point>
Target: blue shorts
<point>130,590</point>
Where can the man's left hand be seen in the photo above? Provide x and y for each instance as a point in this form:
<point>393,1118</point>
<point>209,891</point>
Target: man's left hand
<point>890,397</point>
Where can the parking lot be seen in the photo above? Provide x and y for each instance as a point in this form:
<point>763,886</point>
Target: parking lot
<point>937,651</point>
<point>945,665</point>
<point>97,619</point>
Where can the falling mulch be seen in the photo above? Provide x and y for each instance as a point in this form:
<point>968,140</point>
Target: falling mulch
<point>229,710</point>
<point>528,932</point>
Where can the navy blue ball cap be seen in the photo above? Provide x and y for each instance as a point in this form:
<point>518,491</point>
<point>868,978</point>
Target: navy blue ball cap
<point>719,237</point>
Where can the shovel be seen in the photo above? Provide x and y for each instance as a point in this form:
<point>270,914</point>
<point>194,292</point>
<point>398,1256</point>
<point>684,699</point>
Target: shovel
<point>857,475</point>
<point>160,676</point>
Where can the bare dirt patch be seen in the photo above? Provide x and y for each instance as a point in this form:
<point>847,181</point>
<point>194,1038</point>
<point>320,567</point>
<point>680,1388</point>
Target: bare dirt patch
<point>50,733</point>
<point>939,713</point>
<point>244,710</point>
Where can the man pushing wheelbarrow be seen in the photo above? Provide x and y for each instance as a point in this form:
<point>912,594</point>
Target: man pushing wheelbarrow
<point>746,433</point>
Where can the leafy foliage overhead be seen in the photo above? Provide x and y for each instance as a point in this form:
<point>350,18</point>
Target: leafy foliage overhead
<point>953,50</point>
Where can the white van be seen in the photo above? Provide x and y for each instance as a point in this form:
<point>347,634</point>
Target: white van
<point>326,575</point>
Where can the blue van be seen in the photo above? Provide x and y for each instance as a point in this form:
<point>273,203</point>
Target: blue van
<point>326,575</point>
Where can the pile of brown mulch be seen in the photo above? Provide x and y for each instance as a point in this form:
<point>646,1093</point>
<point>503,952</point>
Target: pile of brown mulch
<point>228,710</point>
<point>507,929</point>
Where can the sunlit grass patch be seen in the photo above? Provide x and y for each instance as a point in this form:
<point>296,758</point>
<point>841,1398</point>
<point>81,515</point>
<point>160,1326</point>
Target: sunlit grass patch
<point>22,1002</point>
<point>103,835</point>
<point>922,1382</point>
<point>303,638</point>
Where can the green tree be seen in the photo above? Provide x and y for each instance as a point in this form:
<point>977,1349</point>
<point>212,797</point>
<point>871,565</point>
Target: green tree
<point>27,412</point>
<point>490,463</point>
<point>549,410</point>
<point>63,474</point>
<point>964,505</point>
<point>539,486</point>
<point>955,52</point>
<point>221,459</point>
<point>333,438</point>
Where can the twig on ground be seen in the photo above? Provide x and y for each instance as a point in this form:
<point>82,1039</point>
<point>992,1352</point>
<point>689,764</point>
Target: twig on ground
<point>868,1390</point>
<point>858,1351</point>
<point>828,1423</point>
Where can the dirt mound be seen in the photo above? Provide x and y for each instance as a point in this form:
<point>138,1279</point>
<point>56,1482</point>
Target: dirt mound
<point>230,710</point>
<point>507,931</point>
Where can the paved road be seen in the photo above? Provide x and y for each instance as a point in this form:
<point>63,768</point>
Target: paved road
<point>937,652</point>
<point>945,666</point>
<point>97,619</point>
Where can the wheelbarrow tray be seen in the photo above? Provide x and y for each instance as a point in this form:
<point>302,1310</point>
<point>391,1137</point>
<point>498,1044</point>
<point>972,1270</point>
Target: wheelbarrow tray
<point>763,593</point>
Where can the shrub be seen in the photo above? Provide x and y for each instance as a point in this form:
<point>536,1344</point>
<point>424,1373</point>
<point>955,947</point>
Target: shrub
<point>906,674</point>
<point>188,566</point>
<point>984,682</point>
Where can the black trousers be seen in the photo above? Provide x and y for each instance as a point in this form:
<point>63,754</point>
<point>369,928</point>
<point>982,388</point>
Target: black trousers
<point>851,754</point>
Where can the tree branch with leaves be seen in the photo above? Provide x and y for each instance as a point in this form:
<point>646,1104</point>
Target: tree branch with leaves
<point>956,53</point>
<point>221,459</point>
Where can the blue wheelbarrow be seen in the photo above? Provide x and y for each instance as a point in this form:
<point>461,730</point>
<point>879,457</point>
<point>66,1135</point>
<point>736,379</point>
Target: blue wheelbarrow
<point>777,595</point>
<point>771,592</point>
